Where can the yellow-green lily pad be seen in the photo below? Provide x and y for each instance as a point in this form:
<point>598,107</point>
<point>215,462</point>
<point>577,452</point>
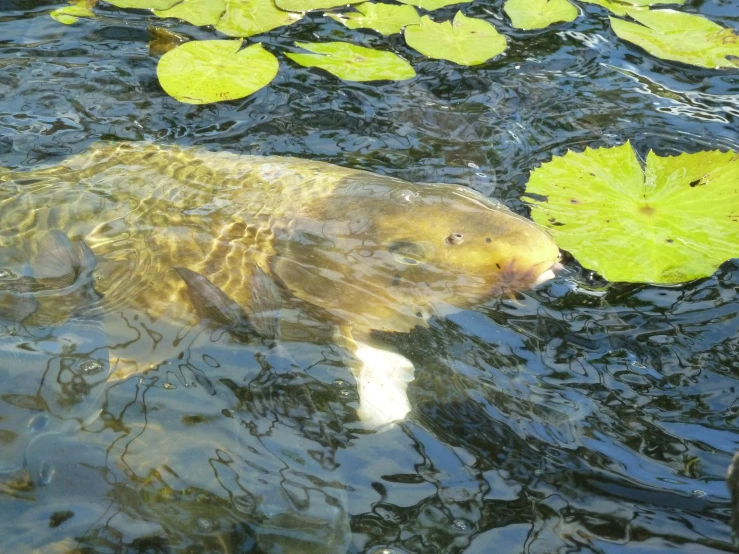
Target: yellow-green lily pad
<point>672,222</point>
<point>538,14</point>
<point>353,63</point>
<point>71,14</point>
<point>309,5</point>
<point>466,40</point>
<point>144,4</point>
<point>205,71</point>
<point>245,18</point>
<point>431,5</point>
<point>195,12</point>
<point>681,37</point>
<point>621,7</point>
<point>386,19</point>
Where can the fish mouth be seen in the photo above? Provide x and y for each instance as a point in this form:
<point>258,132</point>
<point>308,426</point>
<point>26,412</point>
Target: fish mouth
<point>548,274</point>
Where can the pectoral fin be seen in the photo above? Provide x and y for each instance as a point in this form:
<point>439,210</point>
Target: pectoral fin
<point>382,380</point>
<point>210,302</point>
<point>213,304</point>
<point>266,303</point>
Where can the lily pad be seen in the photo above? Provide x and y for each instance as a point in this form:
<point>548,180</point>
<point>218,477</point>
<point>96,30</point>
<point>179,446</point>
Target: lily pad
<point>353,63</point>
<point>682,37</point>
<point>245,18</point>
<point>675,221</point>
<point>71,14</point>
<point>144,4</point>
<point>538,14</point>
<point>205,71</point>
<point>195,12</point>
<point>466,40</point>
<point>309,5</point>
<point>621,7</point>
<point>386,19</point>
<point>431,5</point>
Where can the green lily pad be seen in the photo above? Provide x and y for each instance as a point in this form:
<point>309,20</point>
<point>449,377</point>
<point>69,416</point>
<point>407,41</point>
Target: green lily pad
<point>622,7</point>
<point>682,37</point>
<point>205,71</point>
<point>431,5</point>
<point>386,19</point>
<point>144,4</point>
<point>676,221</point>
<point>245,18</point>
<point>466,40</point>
<point>71,14</point>
<point>538,14</point>
<point>195,12</point>
<point>308,5</point>
<point>353,63</point>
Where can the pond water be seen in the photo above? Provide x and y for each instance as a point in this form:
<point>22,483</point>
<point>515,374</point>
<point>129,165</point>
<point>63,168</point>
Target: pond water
<point>583,417</point>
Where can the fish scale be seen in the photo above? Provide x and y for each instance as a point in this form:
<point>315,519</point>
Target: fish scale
<point>172,185</point>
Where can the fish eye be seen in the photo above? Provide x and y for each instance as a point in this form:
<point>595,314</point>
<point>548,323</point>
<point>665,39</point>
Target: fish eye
<point>407,253</point>
<point>454,238</point>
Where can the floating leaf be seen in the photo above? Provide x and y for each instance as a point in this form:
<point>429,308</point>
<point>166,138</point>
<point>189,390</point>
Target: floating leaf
<point>143,4</point>
<point>71,14</point>
<point>386,19</point>
<point>431,5</point>
<point>678,222</point>
<point>353,63</point>
<point>164,40</point>
<point>195,12</point>
<point>537,14</point>
<point>245,18</point>
<point>466,40</point>
<point>682,37</point>
<point>308,5</point>
<point>621,7</point>
<point>205,71</point>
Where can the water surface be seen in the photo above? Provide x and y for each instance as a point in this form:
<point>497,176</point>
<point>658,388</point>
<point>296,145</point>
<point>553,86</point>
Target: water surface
<point>584,417</point>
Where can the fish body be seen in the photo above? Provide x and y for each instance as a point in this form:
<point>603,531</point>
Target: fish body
<point>183,234</point>
<point>373,252</point>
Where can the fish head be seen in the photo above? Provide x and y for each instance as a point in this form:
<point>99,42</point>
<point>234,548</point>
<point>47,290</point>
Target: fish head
<point>387,254</point>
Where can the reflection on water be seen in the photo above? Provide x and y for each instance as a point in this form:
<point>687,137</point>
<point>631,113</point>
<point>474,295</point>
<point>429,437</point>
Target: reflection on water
<point>579,418</point>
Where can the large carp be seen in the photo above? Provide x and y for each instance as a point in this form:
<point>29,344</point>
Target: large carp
<point>365,251</point>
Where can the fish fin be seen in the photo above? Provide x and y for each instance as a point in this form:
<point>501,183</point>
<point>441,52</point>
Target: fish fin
<point>17,307</point>
<point>87,259</point>
<point>382,381</point>
<point>212,303</point>
<point>57,261</point>
<point>266,303</point>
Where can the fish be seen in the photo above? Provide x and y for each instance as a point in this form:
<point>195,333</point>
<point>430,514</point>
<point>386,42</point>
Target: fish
<point>361,251</point>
